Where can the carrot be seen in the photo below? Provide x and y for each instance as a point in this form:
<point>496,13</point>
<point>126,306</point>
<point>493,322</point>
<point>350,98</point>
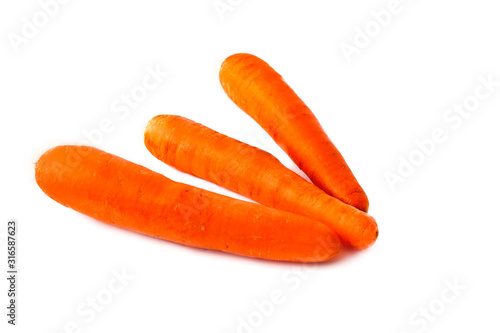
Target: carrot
<point>261,92</point>
<point>116,191</point>
<point>198,150</point>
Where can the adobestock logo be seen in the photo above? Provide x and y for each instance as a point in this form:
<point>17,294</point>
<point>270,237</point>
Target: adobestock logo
<point>264,309</point>
<point>363,37</point>
<point>88,310</point>
<point>31,27</point>
<point>453,118</point>
<point>123,105</point>
<point>222,7</point>
<point>291,281</point>
<point>425,315</point>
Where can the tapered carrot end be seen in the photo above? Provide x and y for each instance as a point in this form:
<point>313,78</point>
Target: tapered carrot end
<point>369,236</point>
<point>234,67</point>
<point>336,247</point>
<point>51,166</point>
<point>326,247</point>
<point>158,119</point>
<point>359,200</point>
<point>235,58</point>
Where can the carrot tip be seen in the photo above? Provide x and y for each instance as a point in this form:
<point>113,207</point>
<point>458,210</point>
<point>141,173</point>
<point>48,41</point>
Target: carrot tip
<point>329,249</point>
<point>370,234</point>
<point>359,200</point>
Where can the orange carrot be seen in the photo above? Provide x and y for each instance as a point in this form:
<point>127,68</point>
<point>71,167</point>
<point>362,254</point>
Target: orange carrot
<point>193,148</point>
<point>116,191</point>
<point>262,93</point>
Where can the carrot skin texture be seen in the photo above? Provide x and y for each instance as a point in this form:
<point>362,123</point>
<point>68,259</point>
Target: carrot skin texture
<point>119,192</point>
<point>200,151</point>
<point>261,92</point>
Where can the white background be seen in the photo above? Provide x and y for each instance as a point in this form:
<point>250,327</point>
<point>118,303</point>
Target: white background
<point>439,225</point>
